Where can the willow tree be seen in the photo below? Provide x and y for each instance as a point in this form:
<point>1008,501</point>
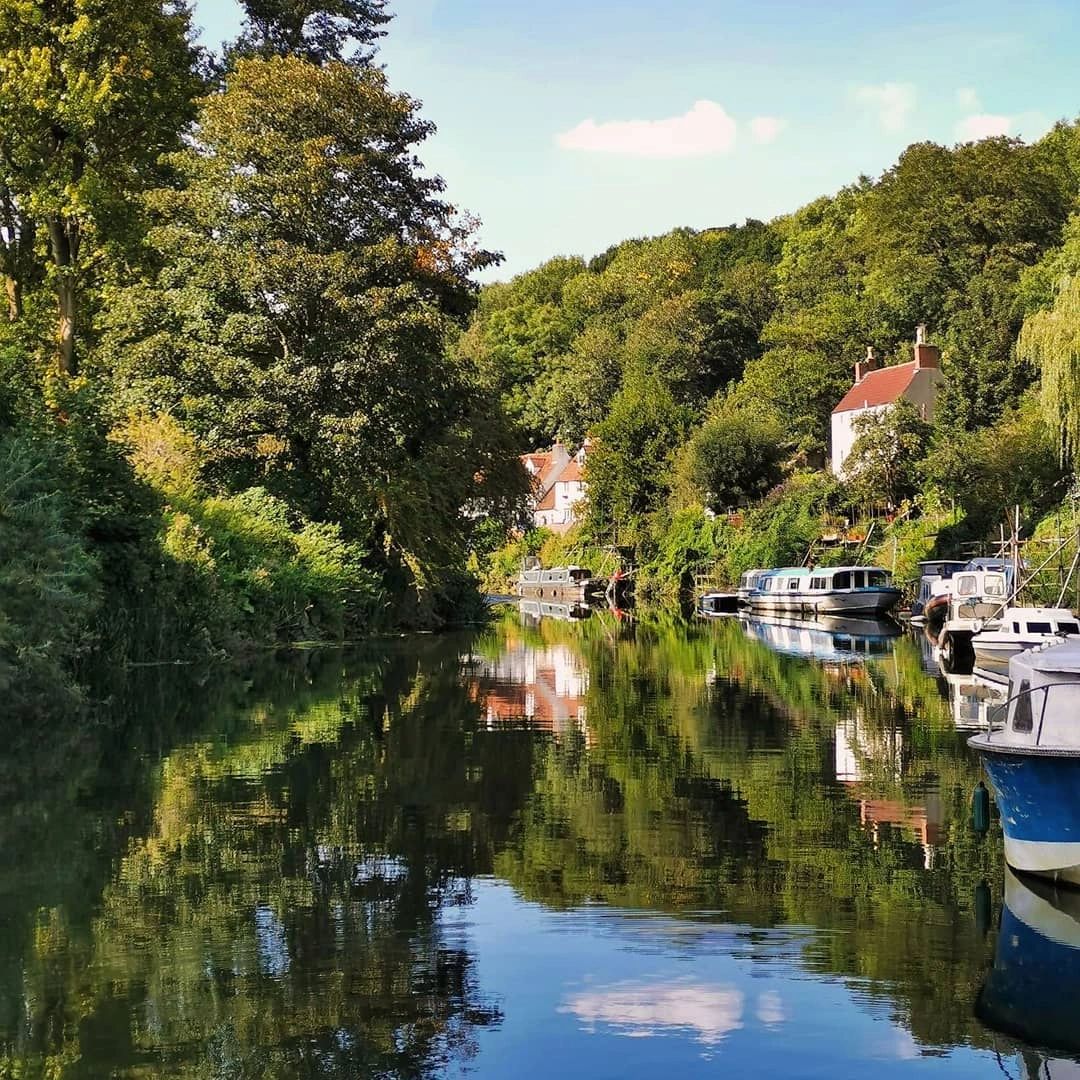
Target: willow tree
<point>92,93</point>
<point>1051,338</point>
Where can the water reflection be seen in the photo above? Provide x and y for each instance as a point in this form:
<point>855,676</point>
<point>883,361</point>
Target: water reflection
<point>555,847</point>
<point>977,701</point>
<point>828,638</point>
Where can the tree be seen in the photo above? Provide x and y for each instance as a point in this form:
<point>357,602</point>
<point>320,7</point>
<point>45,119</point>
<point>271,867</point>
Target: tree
<point>93,94</point>
<point>313,30</point>
<point>733,459</point>
<point>1051,338</point>
<point>310,274</point>
<point>628,471</point>
<point>883,466</point>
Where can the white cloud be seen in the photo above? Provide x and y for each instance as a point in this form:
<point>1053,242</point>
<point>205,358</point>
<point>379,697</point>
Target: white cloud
<point>983,126</point>
<point>764,129</point>
<point>967,99</point>
<point>770,1008</point>
<point>705,129</point>
<point>892,103</point>
<point>639,1010</point>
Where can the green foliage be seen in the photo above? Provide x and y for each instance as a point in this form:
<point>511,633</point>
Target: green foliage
<point>1013,462</point>
<point>49,579</point>
<point>733,459</point>
<point>628,469</point>
<point>883,467</point>
<point>314,30</point>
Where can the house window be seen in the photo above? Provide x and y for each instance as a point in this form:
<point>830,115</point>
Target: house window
<point>842,580</point>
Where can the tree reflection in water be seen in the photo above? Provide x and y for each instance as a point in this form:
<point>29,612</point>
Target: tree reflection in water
<point>254,878</point>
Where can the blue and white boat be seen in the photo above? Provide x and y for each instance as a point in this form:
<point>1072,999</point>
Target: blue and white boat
<point>1033,987</point>
<point>1033,761</point>
<point>826,590</point>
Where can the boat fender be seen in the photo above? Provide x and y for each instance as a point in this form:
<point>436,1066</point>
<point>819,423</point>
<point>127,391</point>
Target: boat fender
<point>980,809</point>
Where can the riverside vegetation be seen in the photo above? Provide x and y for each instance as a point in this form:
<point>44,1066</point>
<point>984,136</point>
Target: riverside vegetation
<point>705,365</point>
<point>228,414</point>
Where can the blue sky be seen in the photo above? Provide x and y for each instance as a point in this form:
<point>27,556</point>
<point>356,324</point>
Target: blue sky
<point>567,126</point>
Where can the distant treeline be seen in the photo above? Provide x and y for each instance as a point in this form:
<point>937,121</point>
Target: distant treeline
<point>706,363</point>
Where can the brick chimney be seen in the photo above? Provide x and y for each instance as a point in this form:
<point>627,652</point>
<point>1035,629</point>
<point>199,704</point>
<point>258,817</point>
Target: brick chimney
<point>926,355</point>
<point>864,367</point>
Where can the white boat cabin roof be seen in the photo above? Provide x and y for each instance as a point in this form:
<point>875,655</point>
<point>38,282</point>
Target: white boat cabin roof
<point>1063,659</point>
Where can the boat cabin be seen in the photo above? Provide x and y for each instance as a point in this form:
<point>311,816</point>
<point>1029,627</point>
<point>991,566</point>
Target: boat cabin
<point>748,582</point>
<point>1044,698</point>
<point>931,572</point>
<point>1036,622</point>
<point>843,578</point>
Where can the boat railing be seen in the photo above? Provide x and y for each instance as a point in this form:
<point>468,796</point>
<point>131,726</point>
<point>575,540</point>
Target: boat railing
<point>996,712</point>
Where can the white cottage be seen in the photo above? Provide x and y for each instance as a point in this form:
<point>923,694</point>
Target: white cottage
<point>558,486</point>
<point>877,389</point>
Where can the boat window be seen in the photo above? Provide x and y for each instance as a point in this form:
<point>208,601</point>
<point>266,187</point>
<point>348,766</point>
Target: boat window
<point>858,579</point>
<point>842,580</point>
<point>995,585</point>
<point>1038,628</point>
<point>793,584</point>
<point>877,579</point>
<point>1022,720</point>
<point>1016,628</point>
<point>817,583</point>
<point>1068,628</point>
<point>965,585</point>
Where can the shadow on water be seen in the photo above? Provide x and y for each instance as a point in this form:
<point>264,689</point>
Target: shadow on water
<point>501,852</point>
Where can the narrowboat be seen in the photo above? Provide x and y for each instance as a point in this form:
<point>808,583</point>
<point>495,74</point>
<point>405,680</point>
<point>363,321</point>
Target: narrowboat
<point>1033,762</point>
<point>565,583</point>
<point>827,590</point>
<point>1019,629</point>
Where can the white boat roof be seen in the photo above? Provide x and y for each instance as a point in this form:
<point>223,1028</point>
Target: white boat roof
<point>1064,658</point>
<point>837,569</point>
<point>1038,613</point>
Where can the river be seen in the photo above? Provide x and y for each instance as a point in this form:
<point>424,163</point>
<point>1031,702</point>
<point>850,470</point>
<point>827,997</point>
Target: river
<point>595,849</point>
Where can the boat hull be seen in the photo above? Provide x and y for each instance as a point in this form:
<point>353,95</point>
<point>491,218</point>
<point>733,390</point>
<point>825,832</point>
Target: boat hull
<point>866,602</point>
<point>1036,791</point>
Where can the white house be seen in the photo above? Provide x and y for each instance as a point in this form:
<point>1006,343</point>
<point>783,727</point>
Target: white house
<point>558,486</point>
<point>877,389</point>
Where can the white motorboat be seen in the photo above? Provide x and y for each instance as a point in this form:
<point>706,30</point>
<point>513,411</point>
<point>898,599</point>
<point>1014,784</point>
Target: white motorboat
<point>826,590</point>
<point>1033,761</point>
<point>1021,628</point>
<point>748,582</point>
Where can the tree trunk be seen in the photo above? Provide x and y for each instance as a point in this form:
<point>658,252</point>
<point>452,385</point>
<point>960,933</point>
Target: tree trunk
<point>14,297</point>
<point>64,242</point>
<point>65,327</point>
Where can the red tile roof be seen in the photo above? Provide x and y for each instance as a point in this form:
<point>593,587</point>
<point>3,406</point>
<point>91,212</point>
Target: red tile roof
<point>570,473</point>
<point>548,501</point>
<point>881,387</point>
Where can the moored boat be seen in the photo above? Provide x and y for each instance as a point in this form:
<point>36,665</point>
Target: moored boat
<point>1033,762</point>
<point>714,604</point>
<point>931,573</point>
<point>1019,629</point>
<point>826,590</point>
<point>748,582</point>
<point>565,583</point>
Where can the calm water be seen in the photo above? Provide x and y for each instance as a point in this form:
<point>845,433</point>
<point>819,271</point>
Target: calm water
<point>548,849</point>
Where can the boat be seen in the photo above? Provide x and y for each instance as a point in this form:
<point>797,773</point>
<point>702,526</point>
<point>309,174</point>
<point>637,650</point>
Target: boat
<point>1018,629</point>
<point>828,638</point>
<point>977,591</point>
<point>826,590</point>
<point>748,582</point>
<point>1033,986</point>
<point>931,572</point>
<point>711,605</point>
<point>1033,762</point>
<point>565,583</point>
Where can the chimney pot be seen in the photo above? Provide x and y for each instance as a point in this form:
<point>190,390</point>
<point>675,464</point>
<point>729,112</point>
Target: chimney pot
<point>926,355</point>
